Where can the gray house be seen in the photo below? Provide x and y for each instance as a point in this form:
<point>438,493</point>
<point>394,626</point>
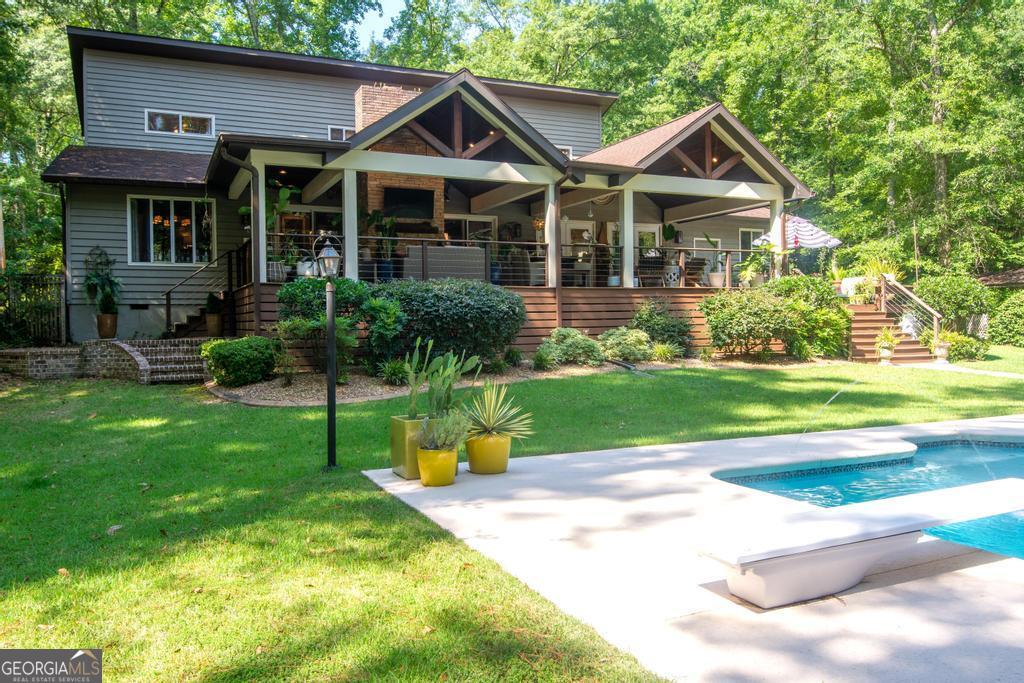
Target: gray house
<point>209,168</point>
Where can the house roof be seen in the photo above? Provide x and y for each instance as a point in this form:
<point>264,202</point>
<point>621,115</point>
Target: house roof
<point>643,149</point>
<point>80,39</point>
<point>126,166</point>
<point>481,93</point>
<point>1006,278</point>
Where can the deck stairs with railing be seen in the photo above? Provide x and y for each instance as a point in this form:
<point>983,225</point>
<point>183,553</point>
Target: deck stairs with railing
<point>897,307</point>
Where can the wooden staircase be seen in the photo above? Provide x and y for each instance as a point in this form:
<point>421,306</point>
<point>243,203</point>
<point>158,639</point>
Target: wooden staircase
<point>867,323</point>
<point>193,326</point>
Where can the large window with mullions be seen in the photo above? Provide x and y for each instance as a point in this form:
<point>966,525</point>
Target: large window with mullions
<point>170,230</point>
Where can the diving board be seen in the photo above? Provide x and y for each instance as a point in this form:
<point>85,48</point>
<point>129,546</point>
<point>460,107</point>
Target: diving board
<point>809,554</point>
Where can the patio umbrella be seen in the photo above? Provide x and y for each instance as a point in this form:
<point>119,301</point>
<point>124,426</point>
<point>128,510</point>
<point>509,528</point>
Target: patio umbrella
<point>800,232</point>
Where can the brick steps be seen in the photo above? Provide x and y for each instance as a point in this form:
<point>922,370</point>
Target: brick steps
<point>172,360</point>
<point>867,323</point>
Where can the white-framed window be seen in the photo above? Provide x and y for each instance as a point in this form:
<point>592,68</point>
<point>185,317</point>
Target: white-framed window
<point>748,235</point>
<point>704,243</point>
<point>171,230</point>
<point>179,123</point>
<point>465,226</point>
<point>339,133</point>
<point>645,235</point>
<point>566,150</point>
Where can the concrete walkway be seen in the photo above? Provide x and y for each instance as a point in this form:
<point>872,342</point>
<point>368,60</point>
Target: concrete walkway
<point>612,537</point>
<point>949,367</point>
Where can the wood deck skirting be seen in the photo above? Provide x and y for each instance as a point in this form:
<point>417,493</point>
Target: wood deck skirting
<point>594,309</point>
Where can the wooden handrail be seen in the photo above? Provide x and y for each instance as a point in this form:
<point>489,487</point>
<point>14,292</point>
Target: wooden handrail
<point>915,298</point>
<point>167,293</point>
<point>891,282</point>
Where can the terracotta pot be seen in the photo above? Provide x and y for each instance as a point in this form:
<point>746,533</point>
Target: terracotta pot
<point>437,468</point>
<point>488,454</point>
<point>106,325</point>
<point>404,443</point>
<point>214,325</point>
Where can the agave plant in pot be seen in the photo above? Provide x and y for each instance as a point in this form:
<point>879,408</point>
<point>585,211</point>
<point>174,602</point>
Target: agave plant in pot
<point>405,428</point>
<point>494,420</point>
<point>438,452</point>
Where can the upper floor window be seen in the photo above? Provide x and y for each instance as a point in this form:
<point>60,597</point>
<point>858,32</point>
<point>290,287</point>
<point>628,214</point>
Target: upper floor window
<point>567,151</point>
<point>179,123</point>
<point>170,230</point>
<point>339,133</point>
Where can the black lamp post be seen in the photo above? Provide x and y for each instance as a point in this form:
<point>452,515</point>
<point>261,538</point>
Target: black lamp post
<point>329,262</point>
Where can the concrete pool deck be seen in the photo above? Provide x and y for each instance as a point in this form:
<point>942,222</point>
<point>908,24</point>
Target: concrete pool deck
<point>612,537</point>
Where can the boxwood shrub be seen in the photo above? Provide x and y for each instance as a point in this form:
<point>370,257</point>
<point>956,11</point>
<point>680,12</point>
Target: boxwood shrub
<point>1007,325</point>
<point>625,344</point>
<point>961,346</point>
<point>307,298</point>
<point>746,321</point>
<point>569,346</point>
<point>236,362</point>
<point>956,297</point>
<point>469,316</point>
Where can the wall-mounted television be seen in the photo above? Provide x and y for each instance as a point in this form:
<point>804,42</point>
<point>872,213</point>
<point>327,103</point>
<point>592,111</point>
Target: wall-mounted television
<point>400,202</point>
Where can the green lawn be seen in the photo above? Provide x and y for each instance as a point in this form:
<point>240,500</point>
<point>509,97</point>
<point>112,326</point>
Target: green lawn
<point>1001,358</point>
<point>239,560</point>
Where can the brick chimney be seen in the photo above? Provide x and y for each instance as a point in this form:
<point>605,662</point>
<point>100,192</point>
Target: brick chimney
<point>378,100</point>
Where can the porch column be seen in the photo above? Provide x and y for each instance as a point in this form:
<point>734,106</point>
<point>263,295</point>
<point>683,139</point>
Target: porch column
<point>258,193</point>
<point>627,233</point>
<point>552,235</point>
<point>350,224</point>
<point>777,232</point>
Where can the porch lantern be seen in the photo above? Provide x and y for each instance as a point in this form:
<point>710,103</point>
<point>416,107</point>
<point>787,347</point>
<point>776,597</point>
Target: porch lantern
<point>329,262</point>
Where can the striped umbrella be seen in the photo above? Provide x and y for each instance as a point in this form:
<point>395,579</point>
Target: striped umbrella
<point>800,232</point>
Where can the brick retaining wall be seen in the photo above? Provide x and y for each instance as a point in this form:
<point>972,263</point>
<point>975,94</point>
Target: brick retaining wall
<point>99,358</point>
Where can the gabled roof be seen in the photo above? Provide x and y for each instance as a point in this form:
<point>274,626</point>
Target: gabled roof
<point>127,166</point>
<point>643,149</point>
<point>86,38</point>
<point>463,81</point>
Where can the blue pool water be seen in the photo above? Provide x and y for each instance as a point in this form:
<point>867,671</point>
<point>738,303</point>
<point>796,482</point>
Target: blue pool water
<point>932,467</point>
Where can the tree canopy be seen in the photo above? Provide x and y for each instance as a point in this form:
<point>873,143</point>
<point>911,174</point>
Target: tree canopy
<point>904,116</point>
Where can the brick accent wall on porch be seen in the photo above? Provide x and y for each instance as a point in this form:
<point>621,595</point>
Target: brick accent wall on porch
<point>372,103</point>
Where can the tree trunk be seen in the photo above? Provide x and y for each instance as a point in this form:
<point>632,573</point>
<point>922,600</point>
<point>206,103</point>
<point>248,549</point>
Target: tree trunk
<point>940,160</point>
<point>254,22</point>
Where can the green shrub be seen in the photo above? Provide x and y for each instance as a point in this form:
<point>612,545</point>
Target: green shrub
<point>956,297</point>
<point>961,346</point>
<point>1007,325</point>
<point>384,322</point>
<point>513,356</point>
<point>495,366</point>
<point>813,291</point>
<point>236,362</point>
<point>654,318</point>
<point>622,343</point>
<point>392,372</point>
<point>665,352</point>
<point>818,332</point>
<point>746,321</point>
<point>307,298</point>
<point>544,359</point>
<point>469,316</point>
<point>315,333</point>
<point>569,346</point>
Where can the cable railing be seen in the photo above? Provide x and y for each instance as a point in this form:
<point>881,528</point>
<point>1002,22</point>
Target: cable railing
<point>500,262</point>
<point>291,255</point>
<point>213,278</point>
<point>913,316</point>
<point>591,264</point>
<point>672,266</point>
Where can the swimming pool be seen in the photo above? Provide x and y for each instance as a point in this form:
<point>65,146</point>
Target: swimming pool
<point>934,466</point>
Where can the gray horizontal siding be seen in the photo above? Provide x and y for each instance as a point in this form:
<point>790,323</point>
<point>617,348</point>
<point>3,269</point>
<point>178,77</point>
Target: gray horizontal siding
<point>120,87</point>
<point>575,125</point>
<point>97,216</point>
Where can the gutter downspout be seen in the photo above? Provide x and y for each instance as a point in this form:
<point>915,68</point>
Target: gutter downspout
<point>65,334</point>
<point>257,217</point>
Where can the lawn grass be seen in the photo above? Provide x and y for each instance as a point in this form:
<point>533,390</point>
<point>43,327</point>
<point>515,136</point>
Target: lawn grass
<point>1000,358</point>
<point>238,559</point>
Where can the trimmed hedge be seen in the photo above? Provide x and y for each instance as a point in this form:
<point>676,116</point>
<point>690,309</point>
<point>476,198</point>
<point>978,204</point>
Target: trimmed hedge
<point>236,362</point>
<point>1007,325</point>
<point>622,343</point>
<point>956,297</point>
<point>307,298</point>
<point>469,316</point>
<point>746,321</point>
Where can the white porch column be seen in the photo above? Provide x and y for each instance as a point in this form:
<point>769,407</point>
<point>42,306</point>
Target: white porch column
<point>259,237</point>
<point>627,232</point>
<point>350,224</point>
<point>551,232</point>
<point>775,209</point>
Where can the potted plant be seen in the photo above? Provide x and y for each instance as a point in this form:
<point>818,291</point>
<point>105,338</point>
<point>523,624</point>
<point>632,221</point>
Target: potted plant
<point>941,351</point>
<point>106,316</point>
<point>438,452</point>
<point>494,420</point>
<point>404,428</point>
<point>214,317</point>
<point>757,263</point>
<point>716,278</point>
<point>385,228</point>
<point>885,343</point>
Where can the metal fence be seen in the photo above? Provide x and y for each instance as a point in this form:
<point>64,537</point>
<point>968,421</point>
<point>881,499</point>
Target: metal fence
<point>32,309</point>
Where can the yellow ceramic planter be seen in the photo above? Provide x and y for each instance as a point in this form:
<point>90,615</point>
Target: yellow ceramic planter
<point>488,454</point>
<point>404,442</point>
<point>437,468</point>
